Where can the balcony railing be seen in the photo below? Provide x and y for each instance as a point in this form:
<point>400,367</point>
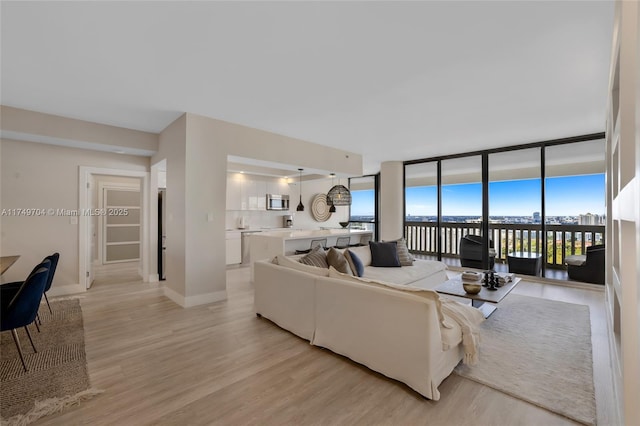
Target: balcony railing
<point>369,226</point>
<point>561,240</point>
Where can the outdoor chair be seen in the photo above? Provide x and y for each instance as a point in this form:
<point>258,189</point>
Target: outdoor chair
<point>587,268</point>
<point>471,252</point>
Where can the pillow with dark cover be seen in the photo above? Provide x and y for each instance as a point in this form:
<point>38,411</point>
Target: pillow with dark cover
<point>384,254</point>
<point>316,257</point>
<point>357,267</point>
<point>336,259</point>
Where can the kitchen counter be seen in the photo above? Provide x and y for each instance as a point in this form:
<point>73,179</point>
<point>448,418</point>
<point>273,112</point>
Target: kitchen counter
<point>305,234</point>
<point>267,244</point>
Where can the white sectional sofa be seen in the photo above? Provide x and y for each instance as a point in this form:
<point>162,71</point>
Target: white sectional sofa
<point>401,334</point>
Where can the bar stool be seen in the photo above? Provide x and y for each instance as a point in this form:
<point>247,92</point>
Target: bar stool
<point>319,242</point>
<point>342,242</point>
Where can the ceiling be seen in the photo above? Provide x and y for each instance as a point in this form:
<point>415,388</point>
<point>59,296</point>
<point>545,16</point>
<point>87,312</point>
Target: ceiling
<point>388,80</point>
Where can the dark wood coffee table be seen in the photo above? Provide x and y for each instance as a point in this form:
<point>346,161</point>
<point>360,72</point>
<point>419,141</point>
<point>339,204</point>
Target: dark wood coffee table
<point>454,287</point>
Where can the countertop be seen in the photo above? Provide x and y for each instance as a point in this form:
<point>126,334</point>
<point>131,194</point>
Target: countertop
<point>301,234</point>
<point>257,229</point>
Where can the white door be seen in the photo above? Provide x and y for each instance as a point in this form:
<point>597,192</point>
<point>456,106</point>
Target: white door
<point>121,225</point>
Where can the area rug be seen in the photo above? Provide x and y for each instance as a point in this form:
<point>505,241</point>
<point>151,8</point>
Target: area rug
<point>539,351</point>
<point>57,375</point>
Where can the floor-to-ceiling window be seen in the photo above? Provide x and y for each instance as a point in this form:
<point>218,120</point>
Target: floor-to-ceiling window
<point>421,208</point>
<point>461,202</point>
<point>543,200</point>
<point>575,199</point>
<point>363,213</point>
<point>515,202</point>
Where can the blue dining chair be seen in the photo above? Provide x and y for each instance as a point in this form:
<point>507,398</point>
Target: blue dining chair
<point>52,270</point>
<point>53,259</point>
<point>22,309</point>
<point>9,290</point>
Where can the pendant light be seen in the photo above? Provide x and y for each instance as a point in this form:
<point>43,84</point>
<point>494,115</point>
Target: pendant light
<point>300,207</point>
<point>332,209</point>
<point>339,195</point>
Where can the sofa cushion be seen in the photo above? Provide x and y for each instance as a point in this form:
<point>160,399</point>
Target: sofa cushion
<point>420,292</point>
<point>384,255</point>
<point>338,260</point>
<point>406,275</point>
<point>294,264</point>
<point>354,262</point>
<point>316,257</point>
<point>363,253</point>
<point>576,259</point>
<point>404,257</point>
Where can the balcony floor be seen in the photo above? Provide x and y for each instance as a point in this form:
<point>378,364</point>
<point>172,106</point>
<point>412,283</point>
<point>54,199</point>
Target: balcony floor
<point>454,262</point>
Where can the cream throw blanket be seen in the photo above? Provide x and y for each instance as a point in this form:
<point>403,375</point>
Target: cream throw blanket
<point>468,318</point>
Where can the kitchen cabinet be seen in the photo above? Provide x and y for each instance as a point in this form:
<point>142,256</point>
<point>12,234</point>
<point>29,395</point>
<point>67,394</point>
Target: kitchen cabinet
<point>247,192</point>
<point>233,247</point>
<point>234,191</point>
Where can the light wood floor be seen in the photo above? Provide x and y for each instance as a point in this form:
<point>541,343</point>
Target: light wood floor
<point>219,364</point>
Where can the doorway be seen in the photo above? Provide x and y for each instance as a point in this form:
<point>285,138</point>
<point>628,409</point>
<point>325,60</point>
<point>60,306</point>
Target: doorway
<point>118,229</point>
<point>96,222</point>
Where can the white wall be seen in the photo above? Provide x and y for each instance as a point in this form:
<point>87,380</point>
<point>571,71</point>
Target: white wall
<point>43,176</point>
<point>196,150</point>
<point>172,148</point>
<point>305,220</point>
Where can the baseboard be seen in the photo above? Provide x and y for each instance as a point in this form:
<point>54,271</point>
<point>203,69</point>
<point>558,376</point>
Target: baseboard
<point>200,299</point>
<point>65,290</point>
<point>154,278</point>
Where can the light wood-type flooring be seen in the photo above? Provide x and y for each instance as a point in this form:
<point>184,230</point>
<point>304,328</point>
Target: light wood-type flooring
<point>219,364</point>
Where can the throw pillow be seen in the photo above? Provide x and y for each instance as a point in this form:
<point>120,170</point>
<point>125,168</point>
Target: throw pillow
<point>384,254</point>
<point>356,265</point>
<point>363,253</point>
<point>316,257</point>
<point>294,264</point>
<point>336,259</point>
<point>404,256</point>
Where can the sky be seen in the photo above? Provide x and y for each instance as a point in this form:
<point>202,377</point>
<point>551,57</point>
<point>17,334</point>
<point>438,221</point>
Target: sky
<point>566,196</point>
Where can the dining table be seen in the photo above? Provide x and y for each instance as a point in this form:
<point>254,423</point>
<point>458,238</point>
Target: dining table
<point>6,262</point>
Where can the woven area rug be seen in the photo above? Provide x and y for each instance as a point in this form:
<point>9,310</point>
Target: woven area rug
<point>539,351</point>
<point>57,375</point>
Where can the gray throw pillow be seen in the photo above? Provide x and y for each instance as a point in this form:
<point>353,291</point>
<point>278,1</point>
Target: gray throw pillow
<point>404,256</point>
<point>384,254</point>
<point>336,259</point>
<point>316,257</point>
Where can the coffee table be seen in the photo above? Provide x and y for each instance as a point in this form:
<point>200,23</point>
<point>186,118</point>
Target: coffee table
<point>454,287</point>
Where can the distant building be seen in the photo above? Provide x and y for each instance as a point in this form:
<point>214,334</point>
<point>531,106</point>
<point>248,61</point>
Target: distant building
<point>536,217</point>
<point>589,219</point>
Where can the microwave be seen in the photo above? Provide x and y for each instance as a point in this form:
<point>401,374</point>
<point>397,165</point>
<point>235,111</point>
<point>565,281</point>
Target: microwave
<point>277,202</point>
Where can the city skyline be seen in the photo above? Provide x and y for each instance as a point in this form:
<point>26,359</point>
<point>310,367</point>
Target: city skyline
<point>565,196</point>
